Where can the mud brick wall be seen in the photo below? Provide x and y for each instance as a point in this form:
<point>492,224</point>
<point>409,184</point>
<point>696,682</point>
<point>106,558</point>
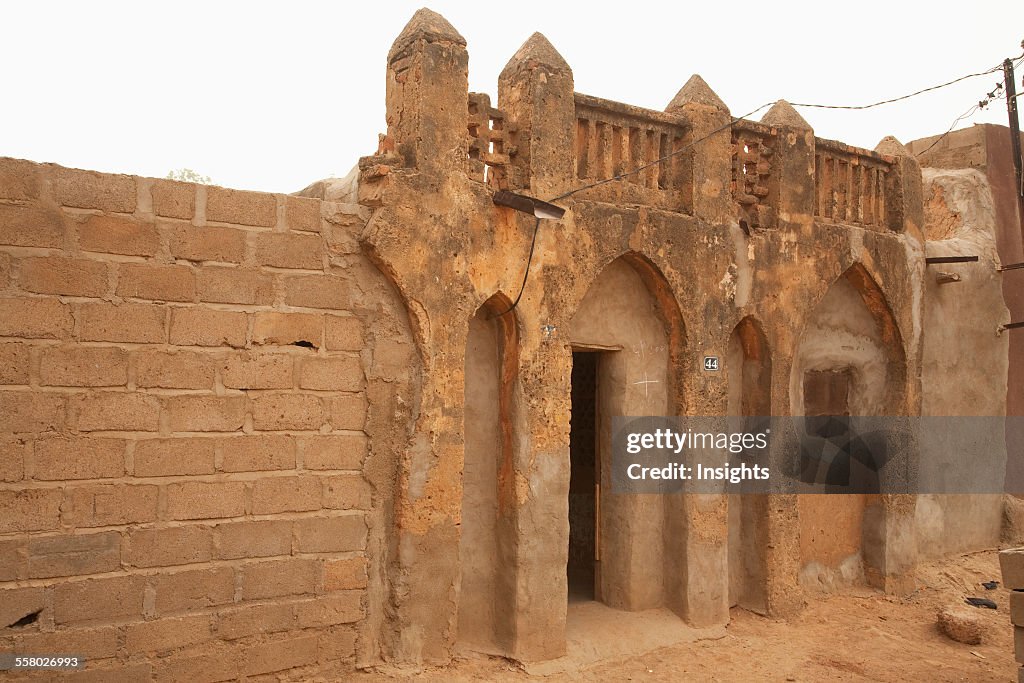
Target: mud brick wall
<point>186,379</point>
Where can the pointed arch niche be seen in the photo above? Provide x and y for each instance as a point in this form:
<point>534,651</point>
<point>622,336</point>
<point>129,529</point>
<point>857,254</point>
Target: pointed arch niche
<point>749,367</point>
<point>628,331</point>
<point>486,545</point>
<point>849,361</point>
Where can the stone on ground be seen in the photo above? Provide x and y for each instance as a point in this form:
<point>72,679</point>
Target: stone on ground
<point>961,624</point>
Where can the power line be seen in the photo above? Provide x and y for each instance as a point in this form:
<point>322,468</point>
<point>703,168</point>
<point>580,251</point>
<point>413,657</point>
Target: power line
<point>969,112</point>
<point>982,104</point>
<point>733,121</point>
<point>536,226</point>
<point>795,104</point>
<point>662,159</point>
<point>526,275</point>
<point>998,67</point>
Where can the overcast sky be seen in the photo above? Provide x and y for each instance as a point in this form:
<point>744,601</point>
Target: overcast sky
<point>272,96</point>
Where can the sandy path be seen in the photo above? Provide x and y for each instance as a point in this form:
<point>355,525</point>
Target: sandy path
<point>858,636</point>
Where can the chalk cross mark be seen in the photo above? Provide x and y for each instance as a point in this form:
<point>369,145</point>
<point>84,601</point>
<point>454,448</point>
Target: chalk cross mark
<point>646,382</point>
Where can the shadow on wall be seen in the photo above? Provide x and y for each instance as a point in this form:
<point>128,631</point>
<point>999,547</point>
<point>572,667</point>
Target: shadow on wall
<point>486,546</point>
<point>749,367</point>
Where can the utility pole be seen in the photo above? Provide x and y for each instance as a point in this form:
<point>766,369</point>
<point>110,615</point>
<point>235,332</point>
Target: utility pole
<point>1011,108</point>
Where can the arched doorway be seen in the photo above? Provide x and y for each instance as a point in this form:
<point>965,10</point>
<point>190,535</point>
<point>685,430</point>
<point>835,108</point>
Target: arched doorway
<point>487,584</point>
<point>626,338</point>
<point>849,362</point>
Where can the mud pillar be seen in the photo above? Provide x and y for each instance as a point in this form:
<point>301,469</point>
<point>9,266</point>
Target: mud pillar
<point>710,160</point>
<point>535,89</point>
<point>890,538</point>
<point>427,105</point>
<point>783,595</point>
<point>542,470</point>
<point>427,95</point>
<point>696,529</point>
<point>905,200</point>
<point>793,167</point>
<point>890,543</point>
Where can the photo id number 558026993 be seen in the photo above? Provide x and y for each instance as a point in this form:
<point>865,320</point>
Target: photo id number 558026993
<point>13,661</point>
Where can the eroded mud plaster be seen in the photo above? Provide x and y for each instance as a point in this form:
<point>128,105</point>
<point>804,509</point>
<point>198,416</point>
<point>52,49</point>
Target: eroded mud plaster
<point>817,244</point>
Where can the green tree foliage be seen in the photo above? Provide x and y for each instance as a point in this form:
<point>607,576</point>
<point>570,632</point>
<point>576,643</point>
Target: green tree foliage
<point>189,176</point>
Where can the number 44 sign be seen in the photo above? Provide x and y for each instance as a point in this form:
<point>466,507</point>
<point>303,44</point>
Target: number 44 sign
<point>711,363</point>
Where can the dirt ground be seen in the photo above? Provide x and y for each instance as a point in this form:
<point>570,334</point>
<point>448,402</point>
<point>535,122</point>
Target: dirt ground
<point>860,635</point>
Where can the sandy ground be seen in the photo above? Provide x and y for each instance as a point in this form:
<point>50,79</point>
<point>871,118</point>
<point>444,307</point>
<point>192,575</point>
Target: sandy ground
<point>860,635</point>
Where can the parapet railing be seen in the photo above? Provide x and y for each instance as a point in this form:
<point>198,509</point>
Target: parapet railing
<point>754,186</point>
<point>612,138</point>
<point>490,142</point>
<point>851,185</point>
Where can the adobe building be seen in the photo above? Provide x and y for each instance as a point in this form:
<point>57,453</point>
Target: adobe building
<point>971,171</point>
<point>247,433</point>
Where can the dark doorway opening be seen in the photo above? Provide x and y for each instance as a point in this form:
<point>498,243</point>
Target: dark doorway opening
<point>584,480</point>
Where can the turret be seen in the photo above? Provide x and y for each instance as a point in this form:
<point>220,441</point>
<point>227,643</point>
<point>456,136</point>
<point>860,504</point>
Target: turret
<point>711,159</point>
<point>906,207</point>
<point>794,164</point>
<point>428,95</point>
<point>535,90</point>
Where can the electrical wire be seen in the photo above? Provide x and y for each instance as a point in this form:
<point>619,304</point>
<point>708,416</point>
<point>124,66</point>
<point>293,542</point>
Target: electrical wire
<point>998,67</point>
<point>662,159</point>
<point>732,122</point>
<point>987,100</point>
<point>529,260</point>
<point>536,226</point>
<point>763,106</point>
<point>969,112</point>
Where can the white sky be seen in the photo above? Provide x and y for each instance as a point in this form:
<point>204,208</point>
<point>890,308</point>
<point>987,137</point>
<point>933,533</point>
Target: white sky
<point>272,96</point>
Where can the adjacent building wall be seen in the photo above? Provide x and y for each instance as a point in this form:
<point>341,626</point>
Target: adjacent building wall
<point>971,209</point>
<point>986,148</point>
<point>964,358</point>
<point>188,379</point>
